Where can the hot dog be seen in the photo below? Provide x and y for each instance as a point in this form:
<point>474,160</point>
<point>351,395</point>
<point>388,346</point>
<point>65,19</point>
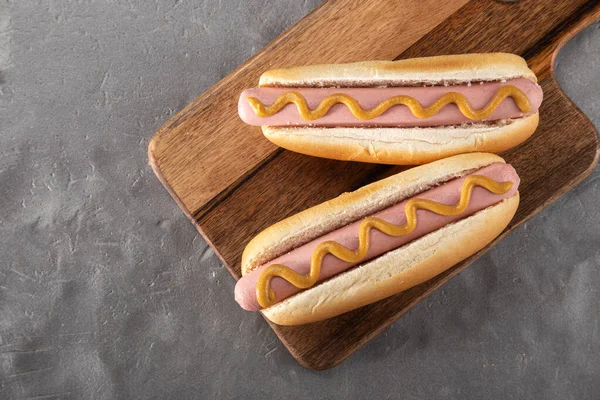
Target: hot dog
<point>397,112</point>
<point>335,257</point>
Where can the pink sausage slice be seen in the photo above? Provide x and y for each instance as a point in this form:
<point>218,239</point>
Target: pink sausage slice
<point>339,115</point>
<point>448,193</point>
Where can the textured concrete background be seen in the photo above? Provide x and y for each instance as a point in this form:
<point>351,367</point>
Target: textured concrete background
<point>107,291</point>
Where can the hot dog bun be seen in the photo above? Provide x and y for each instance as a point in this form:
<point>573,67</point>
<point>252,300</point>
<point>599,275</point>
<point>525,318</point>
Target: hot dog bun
<point>457,68</point>
<point>403,145</point>
<point>393,271</point>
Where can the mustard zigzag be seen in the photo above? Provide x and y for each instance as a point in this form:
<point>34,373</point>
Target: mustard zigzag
<point>415,107</point>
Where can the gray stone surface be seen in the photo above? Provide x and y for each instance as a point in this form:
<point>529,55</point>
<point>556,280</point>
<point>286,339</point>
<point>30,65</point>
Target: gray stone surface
<point>107,291</point>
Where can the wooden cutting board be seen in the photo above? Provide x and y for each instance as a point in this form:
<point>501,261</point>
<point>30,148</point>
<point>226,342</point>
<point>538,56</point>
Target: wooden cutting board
<point>232,182</point>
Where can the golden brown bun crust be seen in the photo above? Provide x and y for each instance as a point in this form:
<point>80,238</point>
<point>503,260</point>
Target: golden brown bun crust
<point>402,146</point>
<point>396,270</point>
<point>426,70</point>
<point>349,207</point>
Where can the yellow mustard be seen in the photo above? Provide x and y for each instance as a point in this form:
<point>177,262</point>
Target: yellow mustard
<point>415,107</point>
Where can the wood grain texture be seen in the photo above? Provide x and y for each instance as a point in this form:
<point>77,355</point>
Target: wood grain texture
<point>253,191</point>
<point>188,152</point>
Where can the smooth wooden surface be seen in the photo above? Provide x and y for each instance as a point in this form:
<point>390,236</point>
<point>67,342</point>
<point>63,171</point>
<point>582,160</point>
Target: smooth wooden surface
<point>233,183</point>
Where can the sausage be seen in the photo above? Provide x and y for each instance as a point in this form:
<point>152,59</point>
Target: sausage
<point>339,115</point>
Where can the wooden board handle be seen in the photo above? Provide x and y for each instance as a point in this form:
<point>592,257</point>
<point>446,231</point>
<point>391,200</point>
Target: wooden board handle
<point>542,55</point>
<point>534,29</point>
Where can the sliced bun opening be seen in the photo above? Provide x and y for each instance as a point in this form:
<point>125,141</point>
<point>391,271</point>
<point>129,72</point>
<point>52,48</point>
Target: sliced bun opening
<point>390,83</point>
<point>499,123</point>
